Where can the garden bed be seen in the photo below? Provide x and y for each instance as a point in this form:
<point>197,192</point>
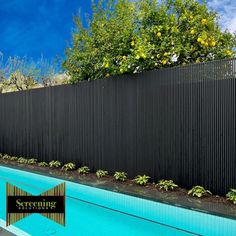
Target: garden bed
<point>217,205</point>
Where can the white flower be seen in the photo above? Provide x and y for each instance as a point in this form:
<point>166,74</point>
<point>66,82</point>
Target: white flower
<point>211,55</point>
<point>174,58</point>
<point>136,69</point>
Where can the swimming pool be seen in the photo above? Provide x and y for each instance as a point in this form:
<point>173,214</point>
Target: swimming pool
<point>95,212</point>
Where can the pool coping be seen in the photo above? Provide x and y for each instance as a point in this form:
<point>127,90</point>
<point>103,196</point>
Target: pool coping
<point>163,197</point>
<point>13,230</point>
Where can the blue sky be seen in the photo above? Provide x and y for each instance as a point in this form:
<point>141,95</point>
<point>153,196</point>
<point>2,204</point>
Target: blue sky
<point>34,27</point>
<point>227,12</point>
<point>43,27</point>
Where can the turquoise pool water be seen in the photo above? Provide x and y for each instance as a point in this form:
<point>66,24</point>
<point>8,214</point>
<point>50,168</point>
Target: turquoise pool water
<point>95,212</point>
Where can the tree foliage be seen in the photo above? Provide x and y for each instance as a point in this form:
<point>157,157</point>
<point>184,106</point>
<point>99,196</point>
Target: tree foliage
<point>22,73</point>
<point>133,36</point>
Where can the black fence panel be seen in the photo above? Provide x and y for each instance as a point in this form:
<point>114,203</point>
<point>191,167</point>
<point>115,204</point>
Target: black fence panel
<point>175,123</point>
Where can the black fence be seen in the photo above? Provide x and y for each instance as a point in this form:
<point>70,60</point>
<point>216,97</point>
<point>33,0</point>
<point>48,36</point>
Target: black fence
<point>175,123</point>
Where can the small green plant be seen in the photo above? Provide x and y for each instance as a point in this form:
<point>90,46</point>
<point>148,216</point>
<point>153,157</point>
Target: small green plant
<point>55,164</point>
<point>198,191</point>
<point>166,184</point>
<point>142,179</point>
<point>13,158</point>
<point>231,195</point>
<point>43,164</point>
<point>120,176</point>
<point>68,166</point>
<point>101,173</point>
<point>6,157</point>
<point>22,160</point>
<point>32,161</point>
<point>83,170</point>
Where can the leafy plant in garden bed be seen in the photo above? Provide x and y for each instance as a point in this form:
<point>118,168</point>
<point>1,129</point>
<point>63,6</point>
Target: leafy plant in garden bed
<point>43,164</point>
<point>231,195</point>
<point>55,164</point>
<point>83,170</point>
<point>68,166</point>
<point>142,179</point>
<point>101,173</point>
<point>31,161</point>
<point>120,176</point>
<point>166,185</point>
<point>6,157</point>
<point>13,158</point>
<point>199,191</point>
<point>22,160</point>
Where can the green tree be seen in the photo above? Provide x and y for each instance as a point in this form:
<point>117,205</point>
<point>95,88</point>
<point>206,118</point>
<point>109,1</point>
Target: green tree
<point>18,74</point>
<point>22,73</point>
<point>133,36</point>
